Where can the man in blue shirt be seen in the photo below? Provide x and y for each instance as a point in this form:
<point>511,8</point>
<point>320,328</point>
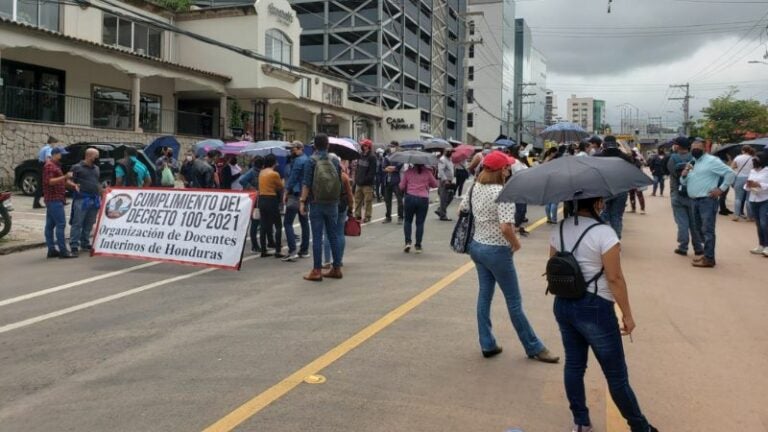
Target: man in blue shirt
<point>42,157</point>
<point>324,213</point>
<point>291,201</point>
<point>706,178</point>
<point>131,172</point>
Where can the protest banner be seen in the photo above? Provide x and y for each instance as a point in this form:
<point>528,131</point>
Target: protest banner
<point>188,226</point>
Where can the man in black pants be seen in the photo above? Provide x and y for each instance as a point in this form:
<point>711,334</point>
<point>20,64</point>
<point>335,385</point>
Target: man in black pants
<point>271,190</point>
<point>392,185</point>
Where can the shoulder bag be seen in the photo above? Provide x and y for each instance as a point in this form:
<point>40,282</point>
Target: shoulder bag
<point>464,230</point>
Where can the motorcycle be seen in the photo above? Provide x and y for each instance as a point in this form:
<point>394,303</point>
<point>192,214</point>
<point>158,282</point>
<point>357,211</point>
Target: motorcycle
<point>6,207</point>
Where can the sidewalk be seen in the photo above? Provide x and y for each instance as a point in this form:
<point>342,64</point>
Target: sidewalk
<point>27,226</point>
<point>699,353</point>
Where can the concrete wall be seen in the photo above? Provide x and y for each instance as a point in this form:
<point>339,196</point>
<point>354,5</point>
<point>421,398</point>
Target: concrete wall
<point>20,141</point>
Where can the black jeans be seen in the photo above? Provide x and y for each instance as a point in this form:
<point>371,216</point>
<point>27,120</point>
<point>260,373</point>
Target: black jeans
<point>254,232</point>
<point>271,222</point>
<point>461,177</point>
<point>521,210</point>
<point>389,190</point>
<point>415,207</point>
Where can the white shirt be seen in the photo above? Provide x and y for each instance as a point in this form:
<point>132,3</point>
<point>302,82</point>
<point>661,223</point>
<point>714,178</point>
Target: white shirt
<point>589,254</point>
<point>762,178</point>
<point>488,213</point>
<point>743,164</point>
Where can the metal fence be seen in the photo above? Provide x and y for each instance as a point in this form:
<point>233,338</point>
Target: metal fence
<point>38,106</point>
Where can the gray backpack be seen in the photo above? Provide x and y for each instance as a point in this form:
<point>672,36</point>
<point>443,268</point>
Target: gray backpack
<point>326,184</point>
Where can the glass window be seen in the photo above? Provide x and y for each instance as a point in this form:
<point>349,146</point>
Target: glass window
<point>109,30</point>
<point>332,95</point>
<point>151,109</point>
<point>471,73</point>
<point>140,35</point>
<point>155,42</point>
<point>32,92</point>
<point>306,87</point>
<point>111,108</point>
<point>49,15</point>
<point>471,51</point>
<point>470,119</point>
<point>26,12</point>
<point>471,28</point>
<point>6,9</point>
<point>278,46</point>
<point>124,33</point>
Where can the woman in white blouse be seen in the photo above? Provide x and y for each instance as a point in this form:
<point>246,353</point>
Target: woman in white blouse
<point>757,185</point>
<point>492,250</point>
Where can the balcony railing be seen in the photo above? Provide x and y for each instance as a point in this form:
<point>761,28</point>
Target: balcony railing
<point>38,106</point>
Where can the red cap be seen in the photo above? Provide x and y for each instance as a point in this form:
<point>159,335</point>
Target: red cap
<point>497,160</point>
<point>366,143</point>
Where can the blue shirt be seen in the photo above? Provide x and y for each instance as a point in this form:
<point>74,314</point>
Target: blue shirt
<point>138,168</point>
<point>45,153</point>
<point>296,177</point>
<point>250,179</point>
<point>708,174</point>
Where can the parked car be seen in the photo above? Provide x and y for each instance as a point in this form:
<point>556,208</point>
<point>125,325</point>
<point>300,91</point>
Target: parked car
<point>28,173</point>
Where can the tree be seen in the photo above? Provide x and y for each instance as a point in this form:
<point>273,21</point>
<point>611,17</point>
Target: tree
<point>277,125</point>
<point>728,119</point>
<point>174,5</point>
<point>235,115</point>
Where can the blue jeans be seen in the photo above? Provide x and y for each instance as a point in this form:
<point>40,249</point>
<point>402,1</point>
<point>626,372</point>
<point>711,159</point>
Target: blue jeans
<point>741,198</point>
<point>705,216</point>
<point>82,223</point>
<point>682,210</point>
<point>760,213</point>
<point>614,212</point>
<point>658,183</point>
<point>324,218</point>
<point>591,322</point>
<point>418,207</point>
<point>340,238</point>
<point>494,265</point>
<point>551,211</point>
<point>55,221</point>
<point>291,211</point>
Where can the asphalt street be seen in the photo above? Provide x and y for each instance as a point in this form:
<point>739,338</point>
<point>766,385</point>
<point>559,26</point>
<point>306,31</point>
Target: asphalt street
<point>100,344</point>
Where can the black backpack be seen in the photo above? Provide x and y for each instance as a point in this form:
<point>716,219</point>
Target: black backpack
<point>564,276</point>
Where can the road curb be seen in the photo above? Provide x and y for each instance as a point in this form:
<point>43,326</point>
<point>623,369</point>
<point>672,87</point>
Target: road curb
<point>20,248</point>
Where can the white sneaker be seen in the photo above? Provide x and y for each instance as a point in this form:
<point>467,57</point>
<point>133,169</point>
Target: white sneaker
<point>765,252</point>
<point>291,257</point>
<point>758,250</point>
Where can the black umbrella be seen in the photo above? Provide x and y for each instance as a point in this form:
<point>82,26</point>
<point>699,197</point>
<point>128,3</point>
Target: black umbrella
<point>437,144</point>
<point>572,178</point>
<point>414,158</point>
<point>730,151</point>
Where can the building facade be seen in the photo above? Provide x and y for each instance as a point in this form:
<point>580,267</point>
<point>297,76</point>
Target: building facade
<point>396,54</point>
<point>550,108</point>
<point>530,85</point>
<point>587,112</point>
<point>490,69</point>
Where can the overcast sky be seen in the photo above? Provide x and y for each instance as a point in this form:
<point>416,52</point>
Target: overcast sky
<point>634,53</point>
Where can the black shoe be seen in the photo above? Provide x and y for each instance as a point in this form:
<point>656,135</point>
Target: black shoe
<point>67,255</point>
<point>53,253</point>
<point>681,252</point>
<point>652,429</point>
<point>37,206</point>
<point>446,219</point>
<point>551,222</point>
<point>440,215</point>
<point>86,247</point>
<point>494,352</point>
<point>523,232</point>
<point>74,252</point>
<point>698,254</point>
<point>280,255</point>
<point>525,220</point>
<point>266,254</point>
<point>399,221</point>
<point>387,220</point>
<point>725,212</point>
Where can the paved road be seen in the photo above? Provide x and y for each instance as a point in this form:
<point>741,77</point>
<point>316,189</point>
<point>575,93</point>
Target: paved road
<point>170,348</point>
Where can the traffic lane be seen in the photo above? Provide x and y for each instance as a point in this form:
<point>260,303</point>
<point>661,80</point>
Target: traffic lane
<point>699,342</point>
<point>425,372</point>
<point>158,352</point>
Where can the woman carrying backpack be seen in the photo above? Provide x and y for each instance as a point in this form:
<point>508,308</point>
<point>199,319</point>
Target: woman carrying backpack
<point>492,249</point>
<point>590,321</point>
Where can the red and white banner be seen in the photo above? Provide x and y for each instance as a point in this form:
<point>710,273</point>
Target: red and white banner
<point>203,227</point>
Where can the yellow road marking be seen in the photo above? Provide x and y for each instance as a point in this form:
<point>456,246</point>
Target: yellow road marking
<point>261,401</point>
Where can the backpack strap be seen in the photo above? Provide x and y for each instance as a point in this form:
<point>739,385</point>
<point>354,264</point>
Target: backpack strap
<point>578,242</point>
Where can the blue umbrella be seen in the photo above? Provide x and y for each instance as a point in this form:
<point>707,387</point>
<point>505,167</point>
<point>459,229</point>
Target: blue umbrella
<point>153,150</point>
<point>203,147</point>
<point>503,142</point>
<point>413,144</point>
<point>263,148</point>
<point>564,132</point>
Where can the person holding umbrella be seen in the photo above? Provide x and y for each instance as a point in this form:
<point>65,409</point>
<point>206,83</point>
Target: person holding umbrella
<point>416,183</point>
<point>492,249</point>
<point>613,211</point>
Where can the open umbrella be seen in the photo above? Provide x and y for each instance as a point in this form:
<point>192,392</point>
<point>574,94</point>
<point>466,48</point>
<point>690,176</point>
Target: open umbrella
<point>413,144</point>
<point>462,153</point>
<point>203,147</point>
<point>572,178</point>
<point>153,150</point>
<point>730,151</point>
<point>504,142</point>
<point>438,144</point>
<point>564,132</point>
<point>414,158</point>
<point>263,148</point>
<point>343,148</point>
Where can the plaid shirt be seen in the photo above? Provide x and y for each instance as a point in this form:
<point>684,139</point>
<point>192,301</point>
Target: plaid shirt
<point>55,192</point>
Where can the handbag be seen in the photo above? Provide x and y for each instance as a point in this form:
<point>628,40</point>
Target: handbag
<point>352,228</point>
<point>464,230</point>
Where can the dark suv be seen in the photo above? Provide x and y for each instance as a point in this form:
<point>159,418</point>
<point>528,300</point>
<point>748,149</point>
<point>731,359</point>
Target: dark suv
<point>28,173</point>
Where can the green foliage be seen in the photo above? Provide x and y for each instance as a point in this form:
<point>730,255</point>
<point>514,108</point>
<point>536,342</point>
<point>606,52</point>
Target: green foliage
<point>728,119</point>
<point>235,115</point>
<point>174,5</point>
<point>277,122</point>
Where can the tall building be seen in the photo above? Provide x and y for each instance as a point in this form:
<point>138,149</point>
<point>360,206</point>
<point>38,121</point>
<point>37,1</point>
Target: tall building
<point>550,108</point>
<point>530,84</point>
<point>587,112</point>
<point>490,69</point>
<point>399,54</point>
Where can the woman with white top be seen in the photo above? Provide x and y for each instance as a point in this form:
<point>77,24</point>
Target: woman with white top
<point>742,164</point>
<point>757,185</point>
<point>591,322</point>
<point>492,250</point>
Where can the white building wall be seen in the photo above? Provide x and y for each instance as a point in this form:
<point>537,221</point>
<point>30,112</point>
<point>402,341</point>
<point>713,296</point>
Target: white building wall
<point>581,111</point>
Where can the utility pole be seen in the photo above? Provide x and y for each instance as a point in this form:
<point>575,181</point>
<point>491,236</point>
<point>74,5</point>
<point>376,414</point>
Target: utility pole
<point>519,114</point>
<point>686,105</point>
<point>509,117</point>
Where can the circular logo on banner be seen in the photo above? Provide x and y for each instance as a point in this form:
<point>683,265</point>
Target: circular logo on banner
<point>118,206</point>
